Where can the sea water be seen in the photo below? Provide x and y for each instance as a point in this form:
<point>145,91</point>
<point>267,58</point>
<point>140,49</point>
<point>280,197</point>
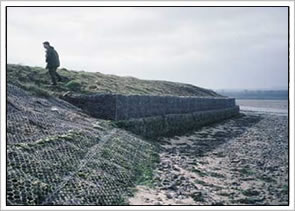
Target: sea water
<point>279,107</point>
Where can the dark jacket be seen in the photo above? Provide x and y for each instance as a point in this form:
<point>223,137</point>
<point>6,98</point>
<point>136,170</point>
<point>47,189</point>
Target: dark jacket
<point>52,58</point>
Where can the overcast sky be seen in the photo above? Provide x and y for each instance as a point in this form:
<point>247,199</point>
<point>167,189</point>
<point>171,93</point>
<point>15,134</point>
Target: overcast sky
<point>216,47</point>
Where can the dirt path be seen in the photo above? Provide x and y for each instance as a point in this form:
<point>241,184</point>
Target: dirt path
<point>243,161</point>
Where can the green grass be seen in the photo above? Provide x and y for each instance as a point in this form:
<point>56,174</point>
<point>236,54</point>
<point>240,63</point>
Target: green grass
<point>74,85</point>
<point>89,82</point>
<point>267,179</point>
<point>201,182</point>
<point>198,197</point>
<point>71,136</point>
<point>106,153</point>
<point>250,200</point>
<point>224,194</point>
<point>82,175</point>
<point>285,189</point>
<point>250,192</point>
<point>35,90</point>
<point>145,171</point>
<point>247,171</point>
<point>215,174</point>
<point>199,172</point>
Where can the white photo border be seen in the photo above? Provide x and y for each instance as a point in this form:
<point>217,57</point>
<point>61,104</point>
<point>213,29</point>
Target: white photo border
<point>4,4</point>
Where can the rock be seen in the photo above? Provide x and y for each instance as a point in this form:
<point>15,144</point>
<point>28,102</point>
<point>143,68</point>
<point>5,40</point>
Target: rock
<point>169,195</point>
<point>54,109</point>
<point>172,187</point>
<point>198,197</point>
<point>250,192</point>
<point>66,93</point>
<point>175,176</point>
<point>159,199</point>
<point>182,178</point>
<point>175,169</point>
<point>236,184</point>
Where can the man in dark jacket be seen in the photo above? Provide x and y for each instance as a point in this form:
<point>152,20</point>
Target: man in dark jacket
<point>52,60</point>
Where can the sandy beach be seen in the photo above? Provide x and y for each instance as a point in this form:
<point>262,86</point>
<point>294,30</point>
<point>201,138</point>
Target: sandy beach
<point>242,161</point>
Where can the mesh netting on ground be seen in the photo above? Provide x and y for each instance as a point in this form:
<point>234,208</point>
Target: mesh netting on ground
<point>56,155</point>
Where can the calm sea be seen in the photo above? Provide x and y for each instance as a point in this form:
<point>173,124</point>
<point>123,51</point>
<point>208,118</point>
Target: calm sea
<point>269,106</point>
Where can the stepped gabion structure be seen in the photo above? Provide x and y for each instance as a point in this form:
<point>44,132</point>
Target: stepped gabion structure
<point>57,155</point>
<point>126,107</point>
<point>155,116</point>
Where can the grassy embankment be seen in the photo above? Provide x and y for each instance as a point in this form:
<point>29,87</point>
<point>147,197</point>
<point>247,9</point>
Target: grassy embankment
<point>37,80</point>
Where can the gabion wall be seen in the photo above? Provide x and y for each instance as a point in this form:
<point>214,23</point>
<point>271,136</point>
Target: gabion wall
<point>124,107</point>
<point>100,106</point>
<point>176,124</point>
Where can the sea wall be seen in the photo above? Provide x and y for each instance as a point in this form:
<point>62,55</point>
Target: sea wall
<point>154,116</point>
<point>126,107</point>
<point>176,124</point>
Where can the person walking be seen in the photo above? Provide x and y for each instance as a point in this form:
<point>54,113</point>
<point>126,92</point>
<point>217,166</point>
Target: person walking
<point>52,60</point>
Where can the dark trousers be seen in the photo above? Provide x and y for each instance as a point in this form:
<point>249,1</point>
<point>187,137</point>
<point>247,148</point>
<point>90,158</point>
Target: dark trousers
<point>54,75</point>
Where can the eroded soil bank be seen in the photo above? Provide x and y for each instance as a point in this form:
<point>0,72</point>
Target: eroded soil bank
<point>242,161</point>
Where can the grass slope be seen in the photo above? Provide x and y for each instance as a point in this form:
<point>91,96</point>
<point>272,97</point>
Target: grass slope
<point>37,80</point>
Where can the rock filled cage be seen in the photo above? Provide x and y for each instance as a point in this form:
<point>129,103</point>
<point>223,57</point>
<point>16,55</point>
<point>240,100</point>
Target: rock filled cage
<point>153,116</point>
<point>56,155</point>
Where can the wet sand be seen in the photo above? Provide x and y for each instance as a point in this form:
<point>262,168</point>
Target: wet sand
<point>242,161</point>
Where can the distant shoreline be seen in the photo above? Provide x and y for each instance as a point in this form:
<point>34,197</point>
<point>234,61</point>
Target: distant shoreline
<point>269,99</point>
<point>274,106</point>
<point>256,94</point>
<point>240,98</point>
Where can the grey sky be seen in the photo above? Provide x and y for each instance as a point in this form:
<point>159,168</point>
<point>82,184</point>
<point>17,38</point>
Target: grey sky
<point>213,47</point>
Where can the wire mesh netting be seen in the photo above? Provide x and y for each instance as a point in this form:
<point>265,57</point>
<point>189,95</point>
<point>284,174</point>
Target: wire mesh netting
<point>56,155</point>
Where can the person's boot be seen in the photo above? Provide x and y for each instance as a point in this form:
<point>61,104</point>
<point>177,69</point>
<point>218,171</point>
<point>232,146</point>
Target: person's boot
<point>58,77</point>
<point>52,75</point>
<point>53,81</point>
